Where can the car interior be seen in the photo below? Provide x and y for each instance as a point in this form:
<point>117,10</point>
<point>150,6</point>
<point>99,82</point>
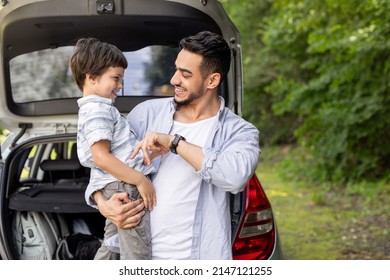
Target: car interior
<point>48,177</point>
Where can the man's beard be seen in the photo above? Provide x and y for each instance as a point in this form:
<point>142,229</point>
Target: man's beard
<point>191,97</point>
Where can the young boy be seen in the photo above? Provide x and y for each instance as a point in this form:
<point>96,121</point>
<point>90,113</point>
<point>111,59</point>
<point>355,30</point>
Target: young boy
<point>105,143</point>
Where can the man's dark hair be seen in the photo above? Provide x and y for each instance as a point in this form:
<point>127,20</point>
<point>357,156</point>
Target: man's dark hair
<point>214,50</point>
<point>91,56</point>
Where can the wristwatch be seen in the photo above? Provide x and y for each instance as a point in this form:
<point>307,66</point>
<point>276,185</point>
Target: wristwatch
<point>175,142</point>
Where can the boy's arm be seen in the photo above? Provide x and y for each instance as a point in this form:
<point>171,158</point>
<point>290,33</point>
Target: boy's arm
<point>105,160</point>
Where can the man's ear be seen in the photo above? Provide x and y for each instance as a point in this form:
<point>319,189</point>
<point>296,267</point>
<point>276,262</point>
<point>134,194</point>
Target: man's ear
<point>213,80</point>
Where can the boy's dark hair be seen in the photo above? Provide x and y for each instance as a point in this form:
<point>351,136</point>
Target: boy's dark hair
<point>214,49</point>
<point>91,56</point>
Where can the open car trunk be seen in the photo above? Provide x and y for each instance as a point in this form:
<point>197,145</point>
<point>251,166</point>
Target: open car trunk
<point>39,169</point>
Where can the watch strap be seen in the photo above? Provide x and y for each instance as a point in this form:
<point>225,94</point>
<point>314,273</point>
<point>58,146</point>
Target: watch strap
<point>175,143</point>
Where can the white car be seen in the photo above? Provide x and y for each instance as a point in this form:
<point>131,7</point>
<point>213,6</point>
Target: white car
<point>39,171</point>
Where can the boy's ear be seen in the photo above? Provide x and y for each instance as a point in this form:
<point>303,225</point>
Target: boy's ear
<point>90,78</point>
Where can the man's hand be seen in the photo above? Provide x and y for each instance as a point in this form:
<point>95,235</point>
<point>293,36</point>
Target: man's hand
<point>154,144</point>
<point>123,212</point>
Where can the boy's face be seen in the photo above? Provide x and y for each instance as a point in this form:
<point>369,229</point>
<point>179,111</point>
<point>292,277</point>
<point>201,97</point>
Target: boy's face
<point>107,85</point>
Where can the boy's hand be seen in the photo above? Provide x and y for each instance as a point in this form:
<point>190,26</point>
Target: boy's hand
<point>153,145</point>
<point>147,193</point>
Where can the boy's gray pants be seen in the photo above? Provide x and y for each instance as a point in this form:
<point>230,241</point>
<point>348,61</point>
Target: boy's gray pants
<point>134,243</point>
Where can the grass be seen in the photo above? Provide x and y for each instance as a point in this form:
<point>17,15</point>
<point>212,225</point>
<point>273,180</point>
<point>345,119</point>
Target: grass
<point>322,223</point>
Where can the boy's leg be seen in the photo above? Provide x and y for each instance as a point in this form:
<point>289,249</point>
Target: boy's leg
<point>110,229</point>
<point>104,253</point>
<point>135,243</point>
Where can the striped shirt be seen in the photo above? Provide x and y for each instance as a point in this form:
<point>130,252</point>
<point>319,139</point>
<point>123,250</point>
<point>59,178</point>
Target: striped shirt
<point>100,120</point>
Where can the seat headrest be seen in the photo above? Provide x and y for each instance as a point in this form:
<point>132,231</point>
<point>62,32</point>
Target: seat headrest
<point>60,165</point>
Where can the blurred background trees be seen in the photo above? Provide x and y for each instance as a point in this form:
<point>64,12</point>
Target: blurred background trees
<point>317,77</point>
<point>317,74</point>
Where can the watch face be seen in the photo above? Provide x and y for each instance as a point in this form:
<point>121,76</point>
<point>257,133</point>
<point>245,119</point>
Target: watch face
<point>175,142</point>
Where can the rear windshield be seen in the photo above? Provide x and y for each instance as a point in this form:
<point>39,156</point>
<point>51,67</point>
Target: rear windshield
<point>45,74</point>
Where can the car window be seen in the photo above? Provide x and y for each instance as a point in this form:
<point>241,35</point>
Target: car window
<point>45,74</point>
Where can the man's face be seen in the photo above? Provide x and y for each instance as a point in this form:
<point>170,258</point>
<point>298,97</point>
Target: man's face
<point>188,80</point>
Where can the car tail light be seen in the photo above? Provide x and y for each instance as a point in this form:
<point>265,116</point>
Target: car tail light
<point>255,238</point>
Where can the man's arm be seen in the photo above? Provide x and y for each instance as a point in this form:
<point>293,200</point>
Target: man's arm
<point>228,166</point>
<point>155,144</point>
<point>231,162</point>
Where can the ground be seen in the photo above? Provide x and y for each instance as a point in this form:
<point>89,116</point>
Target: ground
<point>350,223</point>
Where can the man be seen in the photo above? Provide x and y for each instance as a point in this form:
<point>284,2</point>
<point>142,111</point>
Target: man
<point>207,152</point>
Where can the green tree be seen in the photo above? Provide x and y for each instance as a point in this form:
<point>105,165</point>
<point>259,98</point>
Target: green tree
<point>326,64</point>
<point>161,75</point>
<point>259,71</point>
<point>337,79</point>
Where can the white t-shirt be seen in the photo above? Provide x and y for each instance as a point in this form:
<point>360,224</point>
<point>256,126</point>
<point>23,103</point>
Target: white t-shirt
<point>177,191</point>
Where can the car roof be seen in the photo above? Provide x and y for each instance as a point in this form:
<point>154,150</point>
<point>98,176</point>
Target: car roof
<point>28,26</point>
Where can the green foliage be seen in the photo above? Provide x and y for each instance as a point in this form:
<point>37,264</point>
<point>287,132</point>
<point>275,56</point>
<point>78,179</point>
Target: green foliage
<point>258,110</point>
<point>249,16</point>
<point>328,65</point>
<point>159,76</point>
<point>338,80</point>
